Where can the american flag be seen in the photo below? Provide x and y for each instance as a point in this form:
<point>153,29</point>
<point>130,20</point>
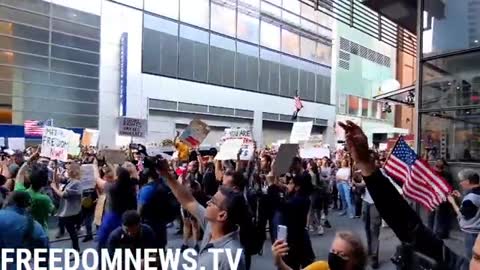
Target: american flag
<point>298,103</point>
<point>420,182</point>
<point>34,128</point>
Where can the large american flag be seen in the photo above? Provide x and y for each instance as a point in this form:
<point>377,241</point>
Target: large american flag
<point>34,128</point>
<point>298,103</point>
<point>420,182</point>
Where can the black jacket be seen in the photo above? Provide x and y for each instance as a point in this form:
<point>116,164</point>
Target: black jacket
<point>407,225</point>
<point>118,239</point>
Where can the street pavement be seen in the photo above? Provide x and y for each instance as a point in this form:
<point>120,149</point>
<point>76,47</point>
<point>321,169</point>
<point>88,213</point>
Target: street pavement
<point>321,244</point>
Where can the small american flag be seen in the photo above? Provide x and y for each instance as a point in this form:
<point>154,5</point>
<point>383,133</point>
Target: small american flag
<point>420,182</point>
<point>35,128</point>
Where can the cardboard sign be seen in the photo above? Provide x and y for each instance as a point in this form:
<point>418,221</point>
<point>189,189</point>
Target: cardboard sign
<point>55,143</point>
<point>243,134</point>
<point>90,137</point>
<point>113,156</point>
<point>88,179</point>
<point>229,149</point>
<point>283,161</point>
<point>301,131</point>
<point>132,127</point>
<point>195,133</point>
<point>73,144</point>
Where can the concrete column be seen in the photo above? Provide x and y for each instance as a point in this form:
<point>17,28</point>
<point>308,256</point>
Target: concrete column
<point>258,127</point>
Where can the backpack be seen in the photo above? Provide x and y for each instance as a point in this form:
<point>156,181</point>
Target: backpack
<point>89,197</point>
<point>162,207</point>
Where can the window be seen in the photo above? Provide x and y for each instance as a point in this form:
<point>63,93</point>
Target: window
<point>308,49</point>
<point>307,81</point>
<point>75,42</point>
<point>20,59</point>
<point>246,67</point>
<point>160,46</point>
<point>167,8</point>
<point>271,9</point>
<point>451,81</point>
<point>290,9</point>
<point>195,12</point>
<point>376,109</point>
<point>247,28</point>
<point>289,76</point>
<point>75,55</point>
<point>253,3</point>
<point>223,20</point>
<point>453,135</point>
<point>76,29</point>
<point>353,105</point>
<point>75,15</point>
<point>290,42</point>
<point>270,35</point>
<point>222,61</point>
<point>193,54</point>
<point>365,103</point>
<point>21,45</point>
<point>16,15</point>
<point>269,72</point>
<point>24,31</point>
<point>324,54</point>
<point>323,89</point>
<point>74,68</point>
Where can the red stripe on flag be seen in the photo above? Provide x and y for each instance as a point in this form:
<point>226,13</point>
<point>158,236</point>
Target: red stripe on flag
<point>192,141</point>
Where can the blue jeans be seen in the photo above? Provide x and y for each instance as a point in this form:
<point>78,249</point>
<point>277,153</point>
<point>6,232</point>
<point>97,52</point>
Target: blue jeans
<point>346,197</point>
<point>469,242</point>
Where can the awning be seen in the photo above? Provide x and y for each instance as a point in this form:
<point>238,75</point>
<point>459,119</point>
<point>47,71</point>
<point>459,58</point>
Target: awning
<point>400,96</point>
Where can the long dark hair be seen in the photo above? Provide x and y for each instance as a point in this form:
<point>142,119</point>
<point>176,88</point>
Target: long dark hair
<point>123,192</point>
<point>315,171</point>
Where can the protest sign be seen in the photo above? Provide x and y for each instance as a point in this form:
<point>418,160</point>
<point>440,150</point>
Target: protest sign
<point>17,143</point>
<point>87,176</point>
<point>382,146</point>
<point>90,137</point>
<point>113,156</point>
<point>132,127</point>
<point>55,142</point>
<point>73,144</point>
<point>283,161</point>
<point>2,141</point>
<point>301,131</point>
<point>314,152</point>
<point>195,133</point>
<point>229,149</point>
<point>243,134</point>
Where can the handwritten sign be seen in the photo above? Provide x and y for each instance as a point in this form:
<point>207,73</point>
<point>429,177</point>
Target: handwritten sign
<point>132,127</point>
<point>229,149</point>
<point>113,156</point>
<point>73,144</point>
<point>283,161</point>
<point>55,143</point>
<point>195,133</point>
<point>301,131</point>
<point>90,137</point>
<point>243,134</point>
<point>87,176</point>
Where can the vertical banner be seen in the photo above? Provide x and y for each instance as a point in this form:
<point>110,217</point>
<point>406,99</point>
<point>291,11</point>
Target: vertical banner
<point>123,73</point>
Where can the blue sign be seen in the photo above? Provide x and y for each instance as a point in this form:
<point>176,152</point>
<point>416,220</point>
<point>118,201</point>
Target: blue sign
<point>123,73</point>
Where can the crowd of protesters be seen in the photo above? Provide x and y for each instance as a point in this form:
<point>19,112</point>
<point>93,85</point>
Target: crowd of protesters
<point>229,204</point>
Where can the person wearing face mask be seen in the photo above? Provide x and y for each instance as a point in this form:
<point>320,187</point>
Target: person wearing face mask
<point>346,253</point>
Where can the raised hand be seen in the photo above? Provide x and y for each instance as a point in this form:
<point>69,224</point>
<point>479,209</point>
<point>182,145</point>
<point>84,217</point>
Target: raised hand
<point>358,147</point>
<point>279,249</point>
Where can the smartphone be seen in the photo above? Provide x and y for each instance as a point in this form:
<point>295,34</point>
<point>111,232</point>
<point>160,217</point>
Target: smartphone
<point>282,233</point>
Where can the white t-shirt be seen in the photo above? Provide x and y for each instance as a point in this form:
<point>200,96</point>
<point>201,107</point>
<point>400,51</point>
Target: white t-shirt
<point>343,174</point>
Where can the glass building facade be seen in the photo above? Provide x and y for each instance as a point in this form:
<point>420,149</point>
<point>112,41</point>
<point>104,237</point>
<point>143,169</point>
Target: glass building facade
<point>275,47</point>
<point>49,64</point>
<point>449,102</point>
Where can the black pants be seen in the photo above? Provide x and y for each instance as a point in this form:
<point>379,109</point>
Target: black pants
<point>70,224</point>
<point>439,220</point>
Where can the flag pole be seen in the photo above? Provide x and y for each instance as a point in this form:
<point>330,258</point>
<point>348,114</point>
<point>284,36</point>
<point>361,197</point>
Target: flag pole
<point>389,154</point>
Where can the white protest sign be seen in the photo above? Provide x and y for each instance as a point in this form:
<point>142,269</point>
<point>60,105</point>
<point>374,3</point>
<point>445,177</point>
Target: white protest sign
<point>55,143</point>
<point>73,144</point>
<point>244,134</point>
<point>195,133</point>
<point>382,146</point>
<point>301,131</point>
<point>314,152</point>
<point>285,155</point>
<point>87,176</point>
<point>132,127</point>
<point>229,149</point>
<point>17,143</point>
<point>2,141</point>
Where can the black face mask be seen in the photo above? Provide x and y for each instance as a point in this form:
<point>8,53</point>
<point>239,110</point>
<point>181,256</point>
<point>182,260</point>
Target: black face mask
<point>336,262</point>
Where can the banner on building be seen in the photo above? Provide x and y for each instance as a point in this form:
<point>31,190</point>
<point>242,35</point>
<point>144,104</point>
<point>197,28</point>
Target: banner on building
<point>123,73</point>
<point>244,134</point>
<point>301,131</point>
<point>132,127</point>
<point>55,143</point>
<point>195,133</point>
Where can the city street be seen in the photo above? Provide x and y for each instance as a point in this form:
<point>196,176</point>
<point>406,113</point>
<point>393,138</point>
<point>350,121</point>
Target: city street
<point>321,244</point>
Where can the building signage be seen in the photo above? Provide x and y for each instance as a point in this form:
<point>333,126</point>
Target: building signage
<point>123,73</point>
<point>132,127</point>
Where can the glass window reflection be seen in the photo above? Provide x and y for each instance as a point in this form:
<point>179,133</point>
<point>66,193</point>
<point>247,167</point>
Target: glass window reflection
<point>290,42</point>
<point>223,20</point>
<point>193,54</point>
<point>247,28</point>
<point>222,61</point>
<point>195,12</point>
<point>270,35</point>
<point>167,8</point>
